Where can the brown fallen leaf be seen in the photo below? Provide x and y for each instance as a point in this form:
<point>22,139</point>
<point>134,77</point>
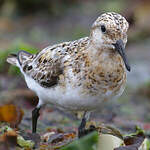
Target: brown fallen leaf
<point>105,129</point>
<point>8,140</point>
<point>63,139</point>
<point>70,135</point>
<point>132,142</point>
<point>46,136</point>
<point>11,114</point>
<point>56,139</point>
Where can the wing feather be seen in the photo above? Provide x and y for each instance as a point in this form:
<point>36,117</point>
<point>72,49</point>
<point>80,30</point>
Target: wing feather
<point>45,70</point>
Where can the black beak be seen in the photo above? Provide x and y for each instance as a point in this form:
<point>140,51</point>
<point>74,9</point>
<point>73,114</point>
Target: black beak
<point>119,46</point>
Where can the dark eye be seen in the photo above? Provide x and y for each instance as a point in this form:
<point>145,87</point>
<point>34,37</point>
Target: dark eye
<point>103,29</point>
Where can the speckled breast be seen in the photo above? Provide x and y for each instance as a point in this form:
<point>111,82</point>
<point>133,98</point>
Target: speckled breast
<point>105,79</point>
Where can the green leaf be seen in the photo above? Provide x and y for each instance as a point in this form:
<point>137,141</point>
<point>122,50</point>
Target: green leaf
<point>24,143</point>
<point>88,142</point>
<point>147,144</point>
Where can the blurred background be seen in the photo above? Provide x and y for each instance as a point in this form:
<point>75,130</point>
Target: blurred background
<point>32,25</point>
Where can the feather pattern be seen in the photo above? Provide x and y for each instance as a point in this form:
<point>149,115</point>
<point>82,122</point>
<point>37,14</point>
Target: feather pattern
<point>80,74</point>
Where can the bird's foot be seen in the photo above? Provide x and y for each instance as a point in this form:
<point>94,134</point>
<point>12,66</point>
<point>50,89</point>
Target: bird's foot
<point>82,131</point>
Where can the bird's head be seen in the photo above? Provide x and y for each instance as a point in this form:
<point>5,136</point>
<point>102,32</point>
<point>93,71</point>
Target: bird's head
<point>109,31</point>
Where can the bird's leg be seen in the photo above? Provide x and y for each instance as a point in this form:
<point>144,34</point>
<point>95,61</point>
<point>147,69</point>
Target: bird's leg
<point>35,116</point>
<point>81,130</point>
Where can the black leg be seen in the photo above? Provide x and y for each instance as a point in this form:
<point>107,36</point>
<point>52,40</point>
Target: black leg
<point>35,116</point>
<point>81,129</point>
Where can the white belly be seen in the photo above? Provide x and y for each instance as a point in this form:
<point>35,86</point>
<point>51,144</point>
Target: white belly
<point>70,99</point>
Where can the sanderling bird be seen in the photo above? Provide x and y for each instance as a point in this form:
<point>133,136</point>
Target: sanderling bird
<point>79,75</point>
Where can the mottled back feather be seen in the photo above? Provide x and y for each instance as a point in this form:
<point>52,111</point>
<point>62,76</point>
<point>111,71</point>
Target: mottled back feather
<point>46,67</point>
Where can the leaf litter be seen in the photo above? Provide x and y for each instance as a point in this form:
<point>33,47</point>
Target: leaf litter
<point>12,137</point>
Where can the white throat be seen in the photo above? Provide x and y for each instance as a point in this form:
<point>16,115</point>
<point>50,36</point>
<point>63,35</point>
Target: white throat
<point>96,38</point>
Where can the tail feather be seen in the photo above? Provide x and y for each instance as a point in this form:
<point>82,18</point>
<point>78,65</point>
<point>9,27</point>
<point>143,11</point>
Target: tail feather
<point>23,56</point>
<point>12,59</point>
<point>19,58</point>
